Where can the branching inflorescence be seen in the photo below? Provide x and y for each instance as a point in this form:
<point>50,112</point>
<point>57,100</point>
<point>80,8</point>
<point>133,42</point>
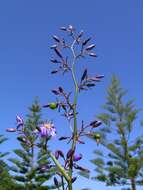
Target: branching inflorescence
<point>76,47</point>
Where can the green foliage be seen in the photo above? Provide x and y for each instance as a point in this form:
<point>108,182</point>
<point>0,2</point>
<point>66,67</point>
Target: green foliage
<point>123,163</point>
<point>31,166</point>
<point>6,181</point>
<point>2,140</point>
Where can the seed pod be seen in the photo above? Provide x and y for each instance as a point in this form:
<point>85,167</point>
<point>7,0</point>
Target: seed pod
<point>97,138</point>
<point>53,105</point>
<point>90,47</point>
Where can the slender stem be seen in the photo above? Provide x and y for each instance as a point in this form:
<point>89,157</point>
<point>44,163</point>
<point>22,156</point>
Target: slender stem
<point>74,111</point>
<point>75,95</point>
<point>61,169</point>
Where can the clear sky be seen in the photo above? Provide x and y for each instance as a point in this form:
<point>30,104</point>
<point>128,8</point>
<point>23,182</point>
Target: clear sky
<point>25,34</point>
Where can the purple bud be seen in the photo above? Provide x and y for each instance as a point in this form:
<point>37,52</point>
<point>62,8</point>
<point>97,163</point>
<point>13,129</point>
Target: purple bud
<point>54,61</point>
<point>43,168</point>
<point>100,76</point>
<point>77,157</point>
<point>70,27</point>
<point>61,153</point>
<point>61,90</point>
<point>70,153</point>
<point>92,54</point>
<point>74,179</point>
<point>90,84</point>
<point>53,46</point>
<point>56,92</point>
<point>81,142</point>
<point>63,138</point>
<point>81,168</point>
<point>57,154</point>
<point>86,41</point>
<point>84,75</point>
<point>63,28</point>
<point>80,34</point>
<point>19,121</point>
<point>90,47</point>
<point>22,139</point>
<point>56,38</point>
<point>95,123</point>
<point>56,182</point>
<point>54,71</point>
<point>57,51</point>
<point>46,106</point>
<point>11,129</point>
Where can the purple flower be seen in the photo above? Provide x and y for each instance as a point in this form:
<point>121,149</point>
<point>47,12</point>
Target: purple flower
<point>77,157</point>
<point>19,121</point>
<point>47,129</point>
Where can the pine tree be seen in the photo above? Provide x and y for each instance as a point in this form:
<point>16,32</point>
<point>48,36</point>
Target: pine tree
<point>6,182</point>
<point>121,161</point>
<point>31,166</point>
<point>2,140</point>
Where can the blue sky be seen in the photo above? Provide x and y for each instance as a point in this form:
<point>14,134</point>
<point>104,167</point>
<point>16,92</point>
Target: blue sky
<point>25,34</point>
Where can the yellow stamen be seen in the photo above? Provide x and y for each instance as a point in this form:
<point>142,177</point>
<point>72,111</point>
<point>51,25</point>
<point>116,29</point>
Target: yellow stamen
<point>47,125</point>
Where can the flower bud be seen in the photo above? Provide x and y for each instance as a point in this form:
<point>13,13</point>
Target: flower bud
<point>56,182</point>
<point>74,179</point>
<point>11,129</point>
<point>77,157</point>
<point>70,153</point>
